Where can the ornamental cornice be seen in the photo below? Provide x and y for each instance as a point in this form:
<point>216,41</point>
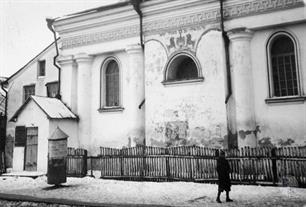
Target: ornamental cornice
<point>87,39</point>
<point>195,20</point>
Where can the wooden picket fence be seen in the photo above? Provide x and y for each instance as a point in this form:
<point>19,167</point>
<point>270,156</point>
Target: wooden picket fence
<point>285,166</point>
<point>198,164</point>
<point>76,163</point>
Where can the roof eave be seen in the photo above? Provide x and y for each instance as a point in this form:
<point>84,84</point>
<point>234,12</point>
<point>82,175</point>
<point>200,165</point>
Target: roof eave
<point>96,9</point>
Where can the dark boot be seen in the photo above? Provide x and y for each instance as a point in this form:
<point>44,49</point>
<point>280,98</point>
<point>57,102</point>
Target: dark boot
<point>218,197</point>
<point>229,200</point>
<point>227,197</point>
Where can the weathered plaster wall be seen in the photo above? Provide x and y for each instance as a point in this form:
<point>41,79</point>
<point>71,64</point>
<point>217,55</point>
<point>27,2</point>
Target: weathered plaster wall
<point>190,113</point>
<point>117,128</point>
<point>32,116</point>
<point>280,124</point>
<point>27,76</point>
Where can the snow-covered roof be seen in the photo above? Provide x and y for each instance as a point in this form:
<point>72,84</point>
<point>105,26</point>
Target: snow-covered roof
<point>52,107</point>
<point>106,6</point>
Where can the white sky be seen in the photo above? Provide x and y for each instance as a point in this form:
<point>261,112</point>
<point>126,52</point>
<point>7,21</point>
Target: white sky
<point>23,28</point>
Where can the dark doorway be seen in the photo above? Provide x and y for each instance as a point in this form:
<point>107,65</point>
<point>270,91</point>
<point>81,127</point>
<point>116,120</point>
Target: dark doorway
<point>31,149</point>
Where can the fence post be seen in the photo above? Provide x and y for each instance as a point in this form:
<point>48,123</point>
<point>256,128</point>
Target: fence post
<point>85,163</point>
<point>143,157</point>
<point>91,170</point>
<point>190,166</point>
<point>167,164</point>
<point>121,163</point>
<point>274,167</point>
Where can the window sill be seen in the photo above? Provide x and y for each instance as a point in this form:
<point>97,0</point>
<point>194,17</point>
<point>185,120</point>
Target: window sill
<point>178,82</point>
<point>111,109</point>
<point>41,77</point>
<point>286,99</point>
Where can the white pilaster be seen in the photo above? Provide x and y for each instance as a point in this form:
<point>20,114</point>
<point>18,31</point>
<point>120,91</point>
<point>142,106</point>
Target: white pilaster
<point>84,63</point>
<point>68,81</point>
<point>242,81</point>
<point>136,92</point>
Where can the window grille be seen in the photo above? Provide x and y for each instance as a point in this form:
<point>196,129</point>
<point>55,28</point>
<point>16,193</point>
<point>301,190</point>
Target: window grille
<point>283,67</point>
<point>112,84</point>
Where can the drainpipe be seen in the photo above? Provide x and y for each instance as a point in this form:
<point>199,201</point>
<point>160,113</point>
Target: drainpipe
<point>50,26</point>
<point>231,135</point>
<point>227,58</point>
<point>5,120</point>
<point>136,5</point>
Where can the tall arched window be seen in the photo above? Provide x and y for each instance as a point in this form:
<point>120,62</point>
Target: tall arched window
<point>283,65</point>
<point>111,84</point>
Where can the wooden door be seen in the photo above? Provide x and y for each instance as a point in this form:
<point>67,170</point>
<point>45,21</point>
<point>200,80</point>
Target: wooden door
<point>31,149</point>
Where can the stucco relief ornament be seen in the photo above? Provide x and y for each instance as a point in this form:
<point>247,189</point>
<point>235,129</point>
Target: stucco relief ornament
<point>180,42</point>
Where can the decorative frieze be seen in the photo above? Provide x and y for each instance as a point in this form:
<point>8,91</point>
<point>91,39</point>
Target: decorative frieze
<point>196,20</point>
<point>87,39</point>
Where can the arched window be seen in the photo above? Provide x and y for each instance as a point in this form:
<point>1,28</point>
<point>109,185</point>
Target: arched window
<point>182,67</point>
<point>111,85</point>
<point>283,65</point>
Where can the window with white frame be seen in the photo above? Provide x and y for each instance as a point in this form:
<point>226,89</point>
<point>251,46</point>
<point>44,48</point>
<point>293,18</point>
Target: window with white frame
<point>283,67</point>
<point>110,77</point>
<point>182,67</point>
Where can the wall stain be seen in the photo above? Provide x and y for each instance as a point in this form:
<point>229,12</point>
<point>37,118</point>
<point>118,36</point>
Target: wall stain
<point>139,141</point>
<point>284,143</point>
<point>176,131</point>
<point>230,140</point>
<point>265,142</point>
<point>243,133</point>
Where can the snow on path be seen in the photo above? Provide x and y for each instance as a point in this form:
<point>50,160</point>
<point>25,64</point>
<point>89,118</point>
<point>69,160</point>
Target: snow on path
<point>167,193</point>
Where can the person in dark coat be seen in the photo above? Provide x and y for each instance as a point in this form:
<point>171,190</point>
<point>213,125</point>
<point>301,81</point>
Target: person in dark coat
<point>224,182</point>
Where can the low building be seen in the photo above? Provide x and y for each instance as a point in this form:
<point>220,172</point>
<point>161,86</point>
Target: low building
<point>31,96</point>
<point>35,121</point>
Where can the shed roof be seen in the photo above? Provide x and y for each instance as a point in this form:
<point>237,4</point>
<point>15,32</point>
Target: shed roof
<point>52,107</point>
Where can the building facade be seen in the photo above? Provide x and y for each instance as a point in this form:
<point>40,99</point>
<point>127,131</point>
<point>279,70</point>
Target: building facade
<point>38,77</point>
<point>165,73</point>
<point>169,73</point>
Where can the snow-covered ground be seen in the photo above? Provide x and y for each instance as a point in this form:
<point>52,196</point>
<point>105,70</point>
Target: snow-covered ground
<point>167,193</point>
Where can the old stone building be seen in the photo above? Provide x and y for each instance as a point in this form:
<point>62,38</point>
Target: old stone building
<point>179,73</point>
<point>175,72</point>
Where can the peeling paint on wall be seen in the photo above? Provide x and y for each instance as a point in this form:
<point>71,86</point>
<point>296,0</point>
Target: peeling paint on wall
<point>244,133</point>
<point>176,130</point>
<point>185,114</point>
<point>265,142</point>
<point>285,143</point>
